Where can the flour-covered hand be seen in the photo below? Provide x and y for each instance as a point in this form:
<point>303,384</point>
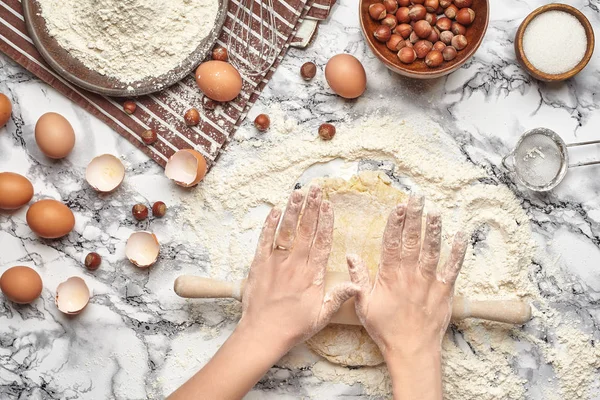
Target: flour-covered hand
<point>285,294</point>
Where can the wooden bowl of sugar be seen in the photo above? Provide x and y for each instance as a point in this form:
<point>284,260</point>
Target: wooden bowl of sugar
<point>555,42</point>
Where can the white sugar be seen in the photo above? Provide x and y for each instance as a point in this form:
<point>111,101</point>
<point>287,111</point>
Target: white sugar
<point>555,42</point>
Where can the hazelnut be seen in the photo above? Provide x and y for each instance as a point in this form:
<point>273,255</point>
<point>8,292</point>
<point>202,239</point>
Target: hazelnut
<point>92,261</point>
<point>140,212</point>
<point>408,43</point>
<point>422,29</point>
<point>129,107</point>
<point>209,104</point>
<point>431,18</point>
<point>191,117</point>
<point>422,47</point>
<point>417,13</point>
<point>394,42</point>
<point>413,38</point>
<point>449,53</point>
<point>326,131</point>
<point>451,11</point>
<point>390,20</point>
<point>431,5</point>
<point>458,29</point>
<point>439,46</point>
<point>402,44</point>
<point>159,209</point>
<point>445,3</point>
<point>383,33</point>
<point>149,136</point>
<point>439,11</point>
<point>446,37</point>
<point>418,1</point>
<point>308,70</point>
<point>407,55</point>
<point>459,42</point>
<point>402,15</point>
<point>262,122</point>
<point>465,16</point>
<point>434,36</point>
<point>377,11</point>
<point>444,24</point>
<point>403,3</point>
<point>463,3</point>
<point>219,54</point>
<point>434,59</point>
<point>404,30</point>
<point>391,6</point>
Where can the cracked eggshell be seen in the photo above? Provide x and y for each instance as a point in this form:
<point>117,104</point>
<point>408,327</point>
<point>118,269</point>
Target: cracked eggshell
<point>105,173</point>
<point>142,249</point>
<point>72,296</point>
<point>186,167</point>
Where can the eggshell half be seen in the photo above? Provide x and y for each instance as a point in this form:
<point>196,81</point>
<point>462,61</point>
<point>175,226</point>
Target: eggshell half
<point>186,167</point>
<point>142,249</point>
<point>72,296</point>
<point>21,285</point>
<point>5,109</point>
<point>50,219</point>
<point>54,135</point>
<point>346,76</point>
<point>15,191</point>
<point>219,80</point>
<point>105,173</point>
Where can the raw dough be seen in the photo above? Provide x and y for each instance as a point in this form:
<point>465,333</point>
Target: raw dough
<point>361,206</point>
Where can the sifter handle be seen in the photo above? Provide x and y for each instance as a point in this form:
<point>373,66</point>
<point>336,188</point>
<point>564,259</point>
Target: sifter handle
<point>507,311</point>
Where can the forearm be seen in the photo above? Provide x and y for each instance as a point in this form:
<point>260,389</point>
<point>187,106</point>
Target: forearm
<point>242,360</point>
<point>416,377</point>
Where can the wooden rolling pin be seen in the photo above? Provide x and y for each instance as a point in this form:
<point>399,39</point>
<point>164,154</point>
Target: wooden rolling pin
<point>507,311</point>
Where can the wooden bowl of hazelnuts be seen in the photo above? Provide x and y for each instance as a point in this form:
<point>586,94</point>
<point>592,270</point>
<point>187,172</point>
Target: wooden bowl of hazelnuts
<point>424,39</point>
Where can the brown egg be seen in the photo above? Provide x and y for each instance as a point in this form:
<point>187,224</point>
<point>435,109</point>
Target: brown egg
<point>5,109</point>
<point>346,76</point>
<point>54,135</point>
<point>21,285</point>
<point>50,219</point>
<point>219,80</point>
<point>15,191</point>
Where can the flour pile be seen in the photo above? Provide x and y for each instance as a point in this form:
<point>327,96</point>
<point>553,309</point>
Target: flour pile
<point>129,40</point>
<point>480,358</point>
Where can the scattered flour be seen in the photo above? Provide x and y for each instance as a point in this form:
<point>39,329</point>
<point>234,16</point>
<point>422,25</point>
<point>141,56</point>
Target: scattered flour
<point>129,39</point>
<point>481,359</point>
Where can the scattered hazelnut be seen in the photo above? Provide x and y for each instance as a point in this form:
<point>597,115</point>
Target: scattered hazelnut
<point>449,53</point>
<point>191,117</point>
<point>262,122</point>
<point>92,261</point>
<point>404,30</point>
<point>390,20</point>
<point>446,37</point>
<point>465,16</point>
<point>404,3</point>
<point>445,3</point>
<point>422,29</point>
<point>129,107</point>
<point>391,6</point>
<point>209,104</point>
<point>383,33</point>
<point>326,131</point>
<point>219,54</point>
<point>458,29</point>
<point>439,46</point>
<point>434,59</point>
<point>431,5</point>
<point>451,11</point>
<point>149,136</point>
<point>140,212</point>
<point>402,15</point>
<point>417,13</point>
<point>459,42</point>
<point>308,70</point>
<point>413,38</point>
<point>431,18</point>
<point>377,11</point>
<point>394,42</point>
<point>407,55</point>
<point>159,209</point>
<point>463,3</point>
<point>444,24</point>
<point>434,36</point>
<point>422,48</point>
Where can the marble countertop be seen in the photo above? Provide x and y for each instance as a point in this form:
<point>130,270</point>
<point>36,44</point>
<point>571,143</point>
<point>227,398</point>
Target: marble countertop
<point>132,342</point>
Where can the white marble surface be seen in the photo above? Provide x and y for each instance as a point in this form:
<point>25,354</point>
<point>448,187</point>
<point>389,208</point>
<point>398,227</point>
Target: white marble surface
<point>137,340</point>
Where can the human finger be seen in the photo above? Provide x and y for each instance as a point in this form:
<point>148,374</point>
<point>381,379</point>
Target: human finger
<point>321,248</point>
<point>334,300</point>
<point>430,253</point>
<point>289,222</point>
<point>455,262</point>
<point>411,235</point>
<point>308,223</point>
<point>392,240</point>
<point>267,236</point>
<point>359,275</point>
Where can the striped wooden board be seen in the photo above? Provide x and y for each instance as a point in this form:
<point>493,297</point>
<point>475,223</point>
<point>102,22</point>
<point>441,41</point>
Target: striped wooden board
<point>163,111</point>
